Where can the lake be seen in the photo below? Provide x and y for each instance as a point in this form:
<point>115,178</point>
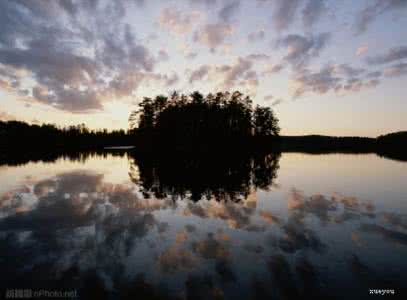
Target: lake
<point>277,226</point>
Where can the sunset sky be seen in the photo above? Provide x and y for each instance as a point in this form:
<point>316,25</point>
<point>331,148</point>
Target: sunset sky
<point>336,67</point>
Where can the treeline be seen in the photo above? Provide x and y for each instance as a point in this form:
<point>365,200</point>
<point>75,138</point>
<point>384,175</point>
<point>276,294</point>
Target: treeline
<point>392,145</point>
<point>322,144</point>
<point>205,121</point>
<point>20,134</point>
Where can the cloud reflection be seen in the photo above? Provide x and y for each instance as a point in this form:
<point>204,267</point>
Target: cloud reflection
<point>78,229</point>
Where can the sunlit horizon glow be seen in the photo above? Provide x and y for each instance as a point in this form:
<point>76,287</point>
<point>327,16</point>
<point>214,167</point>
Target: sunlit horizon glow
<point>324,66</point>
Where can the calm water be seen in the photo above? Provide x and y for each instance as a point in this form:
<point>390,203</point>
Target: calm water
<point>276,227</point>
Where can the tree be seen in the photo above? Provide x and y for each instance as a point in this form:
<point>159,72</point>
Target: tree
<point>143,119</point>
<point>198,119</point>
<point>265,123</point>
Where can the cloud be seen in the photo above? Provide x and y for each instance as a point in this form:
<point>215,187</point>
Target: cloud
<point>312,12</point>
<point>140,3</point>
<point>256,36</point>
<point>125,83</point>
<point>5,116</point>
<point>185,48</point>
<point>191,55</point>
<point>199,73</point>
<point>177,22</point>
<point>75,63</point>
<point>175,259</point>
<point>171,80</point>
<point>273,68</point>
<point>317,82</point>
<point>393,54</point>
<point>333,77</point>
<point>317,204</point>
<point>268,98</point>
<point>396,70</point>
<point>356,84</point>
<point>56,70</point>
<point>229,10</point>
<point>78,55</point>
<point>301,49</point>
<point>284,13</point>
<point>80,206</point>
<point>395,219</point>
<point>5,85</point>
<point>239,73</point>
<point>336,208</point>
<point>231,213</point>
<point>362,50</point>
<point>257,57</point>
<point>163,79</point>
<point>374,74</point>
<point>347,70</point>
<point>397,237</point>
<point>277,102</point>
<point>298,237</point>
<point>210,248</point>
<point>163,55</point>
<point>79,197</point>
<point>206,2</point>
<point>11,79</point>
<point>129,82</point>
<point>73,100</point>
<point>71,210</point>
<point>374,9</point>
<point>213,35</point>
<point>270,218</point>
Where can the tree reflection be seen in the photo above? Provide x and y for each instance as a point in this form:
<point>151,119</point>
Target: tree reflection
<point>221,176</point>
<point>20,157</point>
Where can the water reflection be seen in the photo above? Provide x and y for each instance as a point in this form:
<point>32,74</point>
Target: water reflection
<point>19,157</point>
<point>222,176</point>
<point>189,230</point>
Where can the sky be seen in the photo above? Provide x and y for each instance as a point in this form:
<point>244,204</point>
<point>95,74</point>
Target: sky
<point>334,67</point>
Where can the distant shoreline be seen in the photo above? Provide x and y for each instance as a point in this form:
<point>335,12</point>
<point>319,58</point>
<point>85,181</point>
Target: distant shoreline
<point>392,146</point>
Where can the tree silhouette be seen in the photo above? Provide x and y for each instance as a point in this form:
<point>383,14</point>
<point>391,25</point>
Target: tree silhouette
<point>16,134</point>
<point>206,120</point>
<point>265,123</point>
